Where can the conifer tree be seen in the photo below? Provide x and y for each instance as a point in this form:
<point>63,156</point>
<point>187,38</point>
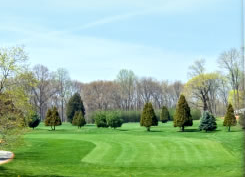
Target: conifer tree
<point>78,119</point>
<point>208,122</point>
<point>182,115</point>
<point>74,104</point>
<point>34,120</point>
<point>164,116</point>
<point>52,118</point>
<point>230,119</point>
<point>148,117</point>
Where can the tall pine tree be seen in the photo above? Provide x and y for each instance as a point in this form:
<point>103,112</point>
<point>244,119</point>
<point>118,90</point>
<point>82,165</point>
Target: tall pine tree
<point>182,115</point>
<point>208,122</point>
<point>230,119</point>
<point>74,104</point>
<point>148,117</point>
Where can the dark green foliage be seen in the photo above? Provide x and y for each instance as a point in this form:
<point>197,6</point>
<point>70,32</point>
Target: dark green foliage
<point>208,122</point>
<point>34,121</point>
<point>164,116</point>
<point>113,120</point>
<point>230,119</point>
<point>148,117</point>
<point>52,118</point>
<point>182,115</point>
<point>74,104</point>
<point>242,119</point>
<point>195,114</point>
<point>100,119</point>
<point>78,119</point>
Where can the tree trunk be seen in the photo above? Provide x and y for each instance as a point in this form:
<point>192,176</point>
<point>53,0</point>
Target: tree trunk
<point>183,129</point>
<point>229,129</point>
<point>148,129</point>
<point>54,127</point>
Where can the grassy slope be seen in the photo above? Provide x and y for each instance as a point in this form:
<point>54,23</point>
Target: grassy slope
<point>129,151</point>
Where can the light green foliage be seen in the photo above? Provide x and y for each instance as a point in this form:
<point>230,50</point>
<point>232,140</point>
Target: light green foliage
<point>230,119</point>
<point>164,116</point>
<point>208,122</point>
<point>52,118</point>
<point>113,120</point>
<point>148,117</point>
<point>182,115</point>
<point>78,119</point>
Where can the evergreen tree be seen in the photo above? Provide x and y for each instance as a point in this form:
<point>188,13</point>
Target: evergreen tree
<point>74,104</point>
<point>182,115</point>
<point>52,118</point>
<point>113,120</point>
<point>230,119</point>
<point>78,119</point>
<point>148,117</point>
<point>208,122</point>
<point>164,116</point>
<point>34,120</point>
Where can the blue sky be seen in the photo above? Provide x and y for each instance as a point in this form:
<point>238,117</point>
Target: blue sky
<point>94,39</point>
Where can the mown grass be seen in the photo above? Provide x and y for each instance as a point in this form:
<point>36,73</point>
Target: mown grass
<point>129,151</point>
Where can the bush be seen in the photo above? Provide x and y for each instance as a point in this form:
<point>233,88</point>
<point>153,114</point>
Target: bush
<point>34,121</point>
<point>113,119</point>
<point>196,114</point>
<point>100,119</point>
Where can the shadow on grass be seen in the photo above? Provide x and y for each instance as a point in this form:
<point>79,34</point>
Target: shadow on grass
<point>190,130</point>
<point>122,130</point>
<point>10,173</point>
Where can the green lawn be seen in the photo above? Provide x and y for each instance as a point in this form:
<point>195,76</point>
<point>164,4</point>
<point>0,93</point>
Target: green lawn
<point>129,151</point>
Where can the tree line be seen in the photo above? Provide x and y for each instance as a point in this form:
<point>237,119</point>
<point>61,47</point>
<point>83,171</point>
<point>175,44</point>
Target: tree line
<point>31,91</point>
